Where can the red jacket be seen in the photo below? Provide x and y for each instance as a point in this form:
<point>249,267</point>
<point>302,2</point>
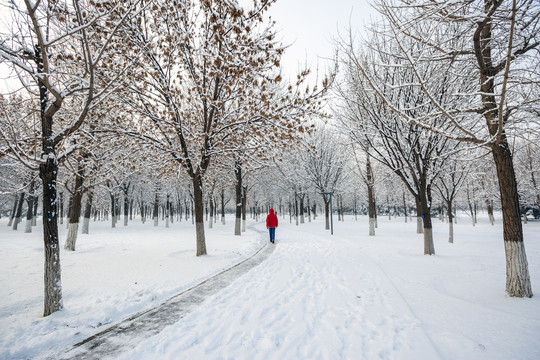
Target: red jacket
<point>271,220</point>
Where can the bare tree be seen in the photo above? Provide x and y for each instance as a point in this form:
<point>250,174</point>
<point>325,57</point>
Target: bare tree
<point>57,51</point>
<point>488,48</point>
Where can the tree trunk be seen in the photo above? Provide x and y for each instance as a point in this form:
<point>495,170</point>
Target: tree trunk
<point>87,212</point>
<point>18,213</point>
<point>75,211</point>
<point>419,220</point>
<point>30,210</point>
<point>327,213</point>
<point>223,207</point>
<point>244,208</point>
<point>126,209</point>
<point>429,248</point>
<point>518,282</point>
<point>113,210</point>
<point>155,214</point>
<point>199,214</point>
<point>238,203</point>
<point>302,220</point>
<point>61,195</point>
<point>405,206</point>
<point>211,204</point>
<point>14,210</point>
<point>372,210</point>
<point>450,222</point>
<point>34,217</point>
<point>489,206</point>
<point>167,211</point>
<point>296,207</point>
<point>52,277</point>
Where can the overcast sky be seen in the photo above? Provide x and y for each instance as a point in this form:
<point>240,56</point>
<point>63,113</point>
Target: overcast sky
<point>311,25</point>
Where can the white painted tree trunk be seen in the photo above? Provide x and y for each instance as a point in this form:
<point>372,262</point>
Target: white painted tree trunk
<point>237,230</point>
<point>211,222</point>
<point>518,282</point>
<point>243,225</point>
<point>16,223</point>
<point>167,221</point>
<point>451,232</point>
<point>428,241</point>
<point>371,227</point>
<point>28,227</point>
<point>419,225</point>
<point>156,220</point>
<point>71,239</point>
<point>223,219</point>
<point>85,225</point>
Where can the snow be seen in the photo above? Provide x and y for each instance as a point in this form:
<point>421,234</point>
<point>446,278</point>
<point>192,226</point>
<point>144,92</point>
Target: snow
<point>346,296</point>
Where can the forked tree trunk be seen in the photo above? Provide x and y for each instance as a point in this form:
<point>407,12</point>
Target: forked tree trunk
<point>199,215</point>
<point>518,282</point>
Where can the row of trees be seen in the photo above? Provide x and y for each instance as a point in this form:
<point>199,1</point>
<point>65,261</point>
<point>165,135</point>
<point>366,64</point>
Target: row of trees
<point>159,106</point>
<point>436,78</point>
<point>192,81</point>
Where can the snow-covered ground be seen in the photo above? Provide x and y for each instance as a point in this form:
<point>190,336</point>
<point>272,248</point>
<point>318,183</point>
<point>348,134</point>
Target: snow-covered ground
<point>346,296</point>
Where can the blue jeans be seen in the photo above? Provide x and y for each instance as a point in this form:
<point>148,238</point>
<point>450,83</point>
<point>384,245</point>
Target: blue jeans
<point>272,233</point>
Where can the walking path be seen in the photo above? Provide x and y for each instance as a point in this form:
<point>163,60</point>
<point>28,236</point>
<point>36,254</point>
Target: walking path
<point>128,333</point>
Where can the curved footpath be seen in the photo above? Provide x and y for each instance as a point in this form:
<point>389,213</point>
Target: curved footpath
<point>128,333</point>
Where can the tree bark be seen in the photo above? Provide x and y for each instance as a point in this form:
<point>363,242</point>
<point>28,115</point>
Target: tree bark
<point>30,210</point>
<point>450,222</point>
<point>52,277</point>
<point>238,203</point>
<point>75,211</point>
<point>199,214</point>
<point>87,212</point>
<point>244,208</point>
<point>14,210</point>
<point>18,213</point>
<point>372,210</point>
<point>155,214</point>
<point>518,281</point>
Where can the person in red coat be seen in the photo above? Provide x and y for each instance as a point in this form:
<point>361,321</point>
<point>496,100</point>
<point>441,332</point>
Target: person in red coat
<point>272,224</point>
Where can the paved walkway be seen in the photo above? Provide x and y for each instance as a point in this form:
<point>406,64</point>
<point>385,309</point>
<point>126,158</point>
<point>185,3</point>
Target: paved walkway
<point>128,333</point>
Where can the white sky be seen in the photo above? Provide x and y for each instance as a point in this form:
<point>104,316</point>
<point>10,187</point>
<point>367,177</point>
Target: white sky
<point>309,26</point>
